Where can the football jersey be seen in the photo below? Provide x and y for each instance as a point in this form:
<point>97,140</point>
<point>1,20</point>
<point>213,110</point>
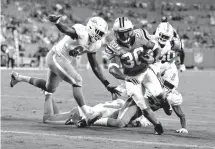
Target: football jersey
<point>129,55</point>
<point>80,45</point>
<point>168,52</point>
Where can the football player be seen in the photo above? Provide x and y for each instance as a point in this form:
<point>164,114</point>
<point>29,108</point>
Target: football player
<point>132,48</point>
<point>170,43</point>
<point>78,40</point>
<point>52,115</point>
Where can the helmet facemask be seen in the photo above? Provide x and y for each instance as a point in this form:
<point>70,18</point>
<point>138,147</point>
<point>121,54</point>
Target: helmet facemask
<point>124,36</point>
<point>163,38</point>
<point>97,28</point>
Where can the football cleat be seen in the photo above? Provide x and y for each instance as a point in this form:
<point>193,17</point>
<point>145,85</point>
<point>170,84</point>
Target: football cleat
<point>159,129</point>
<point>91,118</point>
<point>82,123</point>
<point>14,78</point>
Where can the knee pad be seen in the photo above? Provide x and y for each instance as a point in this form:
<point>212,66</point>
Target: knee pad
<point>174,98</point>
<point>50,90</point>
<point>120,124</point>
<point>78,80</point>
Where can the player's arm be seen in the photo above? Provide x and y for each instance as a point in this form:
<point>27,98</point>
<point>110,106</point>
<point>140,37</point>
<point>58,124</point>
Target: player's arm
<point>98,72</point>
<point>150,44</point>
<point>115,71</point>
<point>155,49</point>
<point>178,46</point>
<point>62,27</point>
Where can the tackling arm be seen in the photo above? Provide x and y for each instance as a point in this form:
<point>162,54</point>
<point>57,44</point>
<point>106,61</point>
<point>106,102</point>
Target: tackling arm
<point>62,27</point>
<point>96,68</point>
<point>115,71</point>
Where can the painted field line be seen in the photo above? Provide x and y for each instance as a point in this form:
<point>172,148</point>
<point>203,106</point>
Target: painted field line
<point>92,138</point>
<point>34,97</point>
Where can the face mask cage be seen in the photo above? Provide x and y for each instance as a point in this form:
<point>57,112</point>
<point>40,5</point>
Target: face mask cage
<point>97,35</point>
<point>163,37</point>
<point>124,36</point>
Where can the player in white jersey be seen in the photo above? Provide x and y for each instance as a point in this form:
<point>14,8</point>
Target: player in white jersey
<point>78,40</point>
<point>72,117</point>
<point>170,43</point>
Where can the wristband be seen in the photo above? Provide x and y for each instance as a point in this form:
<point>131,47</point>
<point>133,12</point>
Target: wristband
<point>106,83</point>
<point>58,21</point>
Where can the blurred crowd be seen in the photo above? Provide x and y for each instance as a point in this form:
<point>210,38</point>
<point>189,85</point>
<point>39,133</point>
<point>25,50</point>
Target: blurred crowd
<point>24,27</point>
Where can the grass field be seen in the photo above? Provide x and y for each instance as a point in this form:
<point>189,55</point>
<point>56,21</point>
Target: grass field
<point>22,109</point>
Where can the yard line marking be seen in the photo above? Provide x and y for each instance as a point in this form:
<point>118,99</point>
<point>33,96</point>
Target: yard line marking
<point>92,138</point>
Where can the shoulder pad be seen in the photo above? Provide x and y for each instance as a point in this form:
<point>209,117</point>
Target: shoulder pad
<point>176,44</point>
<point>112,47</point>
<point>80,30</point>
<point>142,33</point>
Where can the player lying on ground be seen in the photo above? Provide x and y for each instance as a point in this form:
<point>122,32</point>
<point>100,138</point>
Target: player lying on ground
<point>72,117</point>
<point>130,113</point>
<point>78,40</point>
<point>131,48</point>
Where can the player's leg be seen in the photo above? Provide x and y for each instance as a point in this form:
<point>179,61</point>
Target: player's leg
<point>65,70</point>
<point>137,92</point>
<point>121,117</point>
<point>38,82</point>
<point>61,118</point>
<point>154,86</point>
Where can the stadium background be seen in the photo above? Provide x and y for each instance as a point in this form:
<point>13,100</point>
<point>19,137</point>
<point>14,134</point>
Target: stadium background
<point>34,35</point>
<point>22,106</point>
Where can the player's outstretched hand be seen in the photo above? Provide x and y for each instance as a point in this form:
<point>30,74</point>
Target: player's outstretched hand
<point>182,68</point>
<point>53,18</point>
<point>132,80</point>
<point>182,130</point>
<point>148,59</point>
<point>113,89</point>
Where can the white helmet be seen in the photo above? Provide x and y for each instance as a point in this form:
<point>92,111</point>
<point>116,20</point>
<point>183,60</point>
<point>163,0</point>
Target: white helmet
<point>97,28</point>
<point>164,32</point>
<point>123,29</point>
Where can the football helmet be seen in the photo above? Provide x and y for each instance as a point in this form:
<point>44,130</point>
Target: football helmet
<point>97,28</point>
<point>164,32</point>
<point>123,29</point>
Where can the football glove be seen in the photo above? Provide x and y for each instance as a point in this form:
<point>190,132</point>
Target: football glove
<point>54,18</point>
<point>113,90</point>
<point>132,80</point>
<point>182,68</point>
<point>182,130</point>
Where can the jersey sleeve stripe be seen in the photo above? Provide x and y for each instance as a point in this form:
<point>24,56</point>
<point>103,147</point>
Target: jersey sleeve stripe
<point>109,50</point>
<point>144,32</point>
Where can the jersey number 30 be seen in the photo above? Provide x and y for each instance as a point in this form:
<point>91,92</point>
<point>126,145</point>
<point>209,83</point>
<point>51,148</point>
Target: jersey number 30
<point>130,59</point>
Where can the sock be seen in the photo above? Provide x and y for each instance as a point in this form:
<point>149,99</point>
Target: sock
<point>101,122</point>
<point>40,83</point>
<point>84,109</point>
<point>55,108</point>
<point>24,78</point>
<point>78,95</point>
<point>149,114</point>
<point>48,107</point>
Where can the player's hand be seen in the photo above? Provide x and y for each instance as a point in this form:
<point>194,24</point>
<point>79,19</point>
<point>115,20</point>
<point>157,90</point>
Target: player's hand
<point>182,130</point>
<point>182,68</point>
<point>148,59</point>
<point>132,80</point>
<point>113,90</point>
<point>53,18</point>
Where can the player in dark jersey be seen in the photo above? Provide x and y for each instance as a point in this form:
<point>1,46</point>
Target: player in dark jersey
<point>132,49</point>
